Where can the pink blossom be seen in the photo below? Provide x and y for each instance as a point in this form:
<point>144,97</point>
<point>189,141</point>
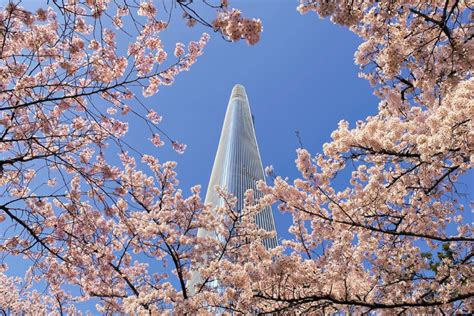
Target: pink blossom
<point>179,148</point>
<point>154,117</point>
<point>156,140</point>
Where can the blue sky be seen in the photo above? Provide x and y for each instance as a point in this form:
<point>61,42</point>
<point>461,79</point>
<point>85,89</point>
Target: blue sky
<point>300,76</point>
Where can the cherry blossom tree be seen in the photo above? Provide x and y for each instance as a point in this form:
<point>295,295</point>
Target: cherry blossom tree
<point>89,228</point>
<point>395,239</point>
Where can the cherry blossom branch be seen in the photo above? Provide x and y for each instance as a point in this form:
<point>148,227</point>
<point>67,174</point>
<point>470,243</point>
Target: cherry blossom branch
<point>296,302</point>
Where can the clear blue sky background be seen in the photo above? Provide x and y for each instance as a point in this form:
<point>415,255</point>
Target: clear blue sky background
<point>300,76</point>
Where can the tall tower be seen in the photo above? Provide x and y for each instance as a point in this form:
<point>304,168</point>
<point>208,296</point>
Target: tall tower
<point>238,166</point>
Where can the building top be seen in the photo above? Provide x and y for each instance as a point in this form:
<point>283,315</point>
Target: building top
<point>238,92</point>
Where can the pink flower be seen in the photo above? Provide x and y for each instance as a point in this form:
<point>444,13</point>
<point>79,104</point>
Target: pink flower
<point>179,50</point>
<point>156,140</point>
<point>179,148</point>
<point>147,9</point>
<point>154,117</point>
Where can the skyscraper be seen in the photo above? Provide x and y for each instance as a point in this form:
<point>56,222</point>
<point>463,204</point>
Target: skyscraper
<point>238,166</point>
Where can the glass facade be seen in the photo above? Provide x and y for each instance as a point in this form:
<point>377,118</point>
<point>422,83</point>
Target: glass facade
<point>238,166</point>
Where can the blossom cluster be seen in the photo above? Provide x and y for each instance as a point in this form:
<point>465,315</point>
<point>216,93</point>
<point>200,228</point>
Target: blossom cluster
<point>235,27</point>
<point>83,222</point>
<point>392,236</point>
